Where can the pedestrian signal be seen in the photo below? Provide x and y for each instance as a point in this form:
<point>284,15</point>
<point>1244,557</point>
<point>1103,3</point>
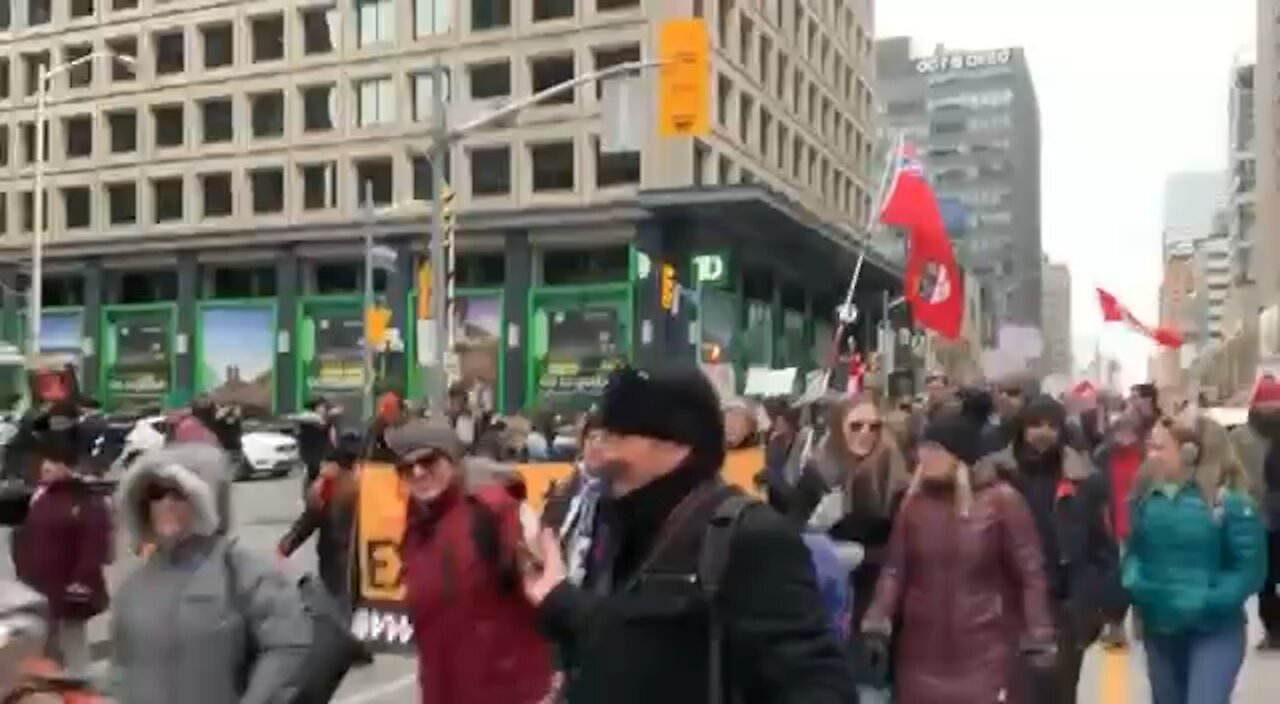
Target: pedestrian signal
<point>667,291</point>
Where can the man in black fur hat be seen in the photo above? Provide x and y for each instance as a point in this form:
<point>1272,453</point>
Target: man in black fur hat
<point>695,594</point>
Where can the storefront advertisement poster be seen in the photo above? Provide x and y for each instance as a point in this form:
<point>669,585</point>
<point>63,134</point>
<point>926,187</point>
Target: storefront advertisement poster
<point>479,338</point>
<point>237,357</point>
<point>139,357</point>
<point>583,346</point>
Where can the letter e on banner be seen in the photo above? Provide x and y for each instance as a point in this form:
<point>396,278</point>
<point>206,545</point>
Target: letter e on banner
<point>380,527</point>
<point>684,90</point>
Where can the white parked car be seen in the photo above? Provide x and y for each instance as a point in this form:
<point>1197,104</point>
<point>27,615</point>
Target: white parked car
<point>266,452</point>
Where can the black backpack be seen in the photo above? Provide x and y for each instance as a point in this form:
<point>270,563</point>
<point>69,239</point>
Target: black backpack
<point>333,650</point>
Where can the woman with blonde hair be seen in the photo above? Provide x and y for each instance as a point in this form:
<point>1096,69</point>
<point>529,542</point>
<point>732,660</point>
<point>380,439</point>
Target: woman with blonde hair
<point>962,590</point>
<point>1195,553</point>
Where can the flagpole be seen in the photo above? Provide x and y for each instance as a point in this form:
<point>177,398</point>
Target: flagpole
<point>841,323</point>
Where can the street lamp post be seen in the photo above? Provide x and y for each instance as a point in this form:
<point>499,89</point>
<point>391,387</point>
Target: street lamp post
<point>47,74</point>
<point>442,138</point>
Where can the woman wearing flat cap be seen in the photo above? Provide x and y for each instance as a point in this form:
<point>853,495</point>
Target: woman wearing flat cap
<point>640,623</point>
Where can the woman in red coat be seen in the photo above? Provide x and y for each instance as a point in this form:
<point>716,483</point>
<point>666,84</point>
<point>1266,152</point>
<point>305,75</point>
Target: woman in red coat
<point>475,631</point>
<point>963,578</point>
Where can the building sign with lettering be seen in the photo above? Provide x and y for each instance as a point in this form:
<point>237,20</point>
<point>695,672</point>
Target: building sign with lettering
<point>960,62</point>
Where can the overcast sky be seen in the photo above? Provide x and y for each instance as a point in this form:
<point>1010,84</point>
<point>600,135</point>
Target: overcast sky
<point>1130,91</point>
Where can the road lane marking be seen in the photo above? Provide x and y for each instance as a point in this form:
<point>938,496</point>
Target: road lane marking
<point>1115,676</point>
<point>368,695</point>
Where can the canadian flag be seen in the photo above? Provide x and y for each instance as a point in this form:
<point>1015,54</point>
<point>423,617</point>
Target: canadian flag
<point>1114,312</point>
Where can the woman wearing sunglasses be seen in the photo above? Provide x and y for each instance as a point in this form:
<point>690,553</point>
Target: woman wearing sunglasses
<point>1195,553</point>
<point>203,619</point>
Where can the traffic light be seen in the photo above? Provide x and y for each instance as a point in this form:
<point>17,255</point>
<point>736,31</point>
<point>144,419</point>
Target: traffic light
<point>667,291</point>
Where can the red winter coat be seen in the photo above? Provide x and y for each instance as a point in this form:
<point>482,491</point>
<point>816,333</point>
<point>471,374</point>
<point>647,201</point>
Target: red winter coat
<point>66,540</point>
<point>969,593</point>
<point>475,631</point>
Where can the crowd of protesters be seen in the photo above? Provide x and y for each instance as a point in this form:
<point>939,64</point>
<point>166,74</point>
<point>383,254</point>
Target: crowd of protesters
<point>965,548</point>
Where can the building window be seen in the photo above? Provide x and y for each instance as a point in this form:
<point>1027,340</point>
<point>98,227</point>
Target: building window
<point>375,179</point>
<point>623,169</point>
<point>124,4</point>
<point>549,71</point>
<point>219,44</point>
<point>77,208</point>
<point>217,120</point>
<point>5,88</point>
<point>28,211</point>
<point>122,203</point>
<point>724,94</point>
<point>267,34</point>
<point>122,72</point>
<point>613,56</point>
<point>552,165</point>
<point>215,195</point>
<point>77,136</point>
<point>375,22</point>
<point>167,121</point>
<point>28,130</point>
<point>4,155</point>
<point>319,27</point>
<point>615,5</point>
<point>490,14</point>
<point>81,76</point>
<point>34,65</point>
<point>6,22</point>
<point>319,185</point>
<point>424,93</point>
<point>122,128</point>
<point>267,114</point>
<point>318,107</point>
<point>267,187</point>
<point>375,102</point>
<point>39,12</point>
<point>166,199</point>
<point>544,10</point>
<point>422,179</point>
<point>490,80</point>
<point>171,51</point>
<point>81,8</point>
<point>491,170</point>
<point>431,17</point>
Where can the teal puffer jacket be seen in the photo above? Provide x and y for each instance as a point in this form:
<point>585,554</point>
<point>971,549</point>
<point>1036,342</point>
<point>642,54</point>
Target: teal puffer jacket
<point>1189,566</point>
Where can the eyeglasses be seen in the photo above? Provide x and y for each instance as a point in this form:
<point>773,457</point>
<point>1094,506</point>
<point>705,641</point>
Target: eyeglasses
<point>427,463</point>
<point>857,426</point>
<point>164,490</point>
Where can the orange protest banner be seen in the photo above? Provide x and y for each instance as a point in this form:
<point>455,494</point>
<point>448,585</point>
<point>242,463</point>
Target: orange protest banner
<point>684,78</point>
<point>380,520</point>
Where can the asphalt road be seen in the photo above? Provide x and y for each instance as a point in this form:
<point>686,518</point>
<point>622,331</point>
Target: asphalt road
<point>263,510</point>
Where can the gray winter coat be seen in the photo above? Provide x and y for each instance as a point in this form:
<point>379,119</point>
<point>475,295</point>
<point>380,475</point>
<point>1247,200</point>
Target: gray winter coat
<point>205,621</point>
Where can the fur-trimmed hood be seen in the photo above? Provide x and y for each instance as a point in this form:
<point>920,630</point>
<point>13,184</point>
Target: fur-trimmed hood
<point>201,471</point>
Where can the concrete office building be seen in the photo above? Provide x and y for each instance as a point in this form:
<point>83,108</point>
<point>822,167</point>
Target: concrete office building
<point>1055,314</point>
<point>1264,274</point>
<point>976,121</point>
<point>1191,199</point>
<point>230,162</point>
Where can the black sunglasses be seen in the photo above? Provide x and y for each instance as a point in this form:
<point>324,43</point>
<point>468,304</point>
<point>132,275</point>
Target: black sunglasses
<point>858,426</point>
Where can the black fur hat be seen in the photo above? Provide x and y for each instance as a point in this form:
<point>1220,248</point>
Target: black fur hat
<point>677,406</point>
<point>959,429</point>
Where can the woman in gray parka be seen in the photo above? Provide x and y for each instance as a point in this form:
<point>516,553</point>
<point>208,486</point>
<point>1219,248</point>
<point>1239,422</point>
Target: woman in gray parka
<point>202,620</point>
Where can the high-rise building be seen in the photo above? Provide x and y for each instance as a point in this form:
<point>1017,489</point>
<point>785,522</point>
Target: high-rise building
<point>1055,315</point>
<point>1265,130</point>
<point>1191,200</point>
<point>204,151</point>
<point>975,118</point>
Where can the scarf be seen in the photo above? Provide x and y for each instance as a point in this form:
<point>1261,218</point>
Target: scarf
<point>577,532</point>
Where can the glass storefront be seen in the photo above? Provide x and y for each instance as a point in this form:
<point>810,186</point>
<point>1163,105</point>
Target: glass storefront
<point>138,358</point>
<point>236,355</point>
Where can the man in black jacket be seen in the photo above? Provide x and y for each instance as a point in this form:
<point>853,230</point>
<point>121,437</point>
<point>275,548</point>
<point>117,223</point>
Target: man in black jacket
<point>1069,500</point>
<point>641,625</point>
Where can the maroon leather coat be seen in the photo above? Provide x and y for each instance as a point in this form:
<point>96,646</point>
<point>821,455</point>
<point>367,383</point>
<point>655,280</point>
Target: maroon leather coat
<point>968,592</point>
<point>66,540</point>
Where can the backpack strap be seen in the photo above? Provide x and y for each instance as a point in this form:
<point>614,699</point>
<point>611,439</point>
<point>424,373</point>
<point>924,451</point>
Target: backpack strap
<point>713,560</point>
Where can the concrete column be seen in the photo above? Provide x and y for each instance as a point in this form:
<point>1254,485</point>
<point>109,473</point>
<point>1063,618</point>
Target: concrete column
<point>775,319</point>
<point>515,320</point>
<point>93,282</point>
<point>185,333</point>
<point>287,292</point>
<point>10,303</point>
